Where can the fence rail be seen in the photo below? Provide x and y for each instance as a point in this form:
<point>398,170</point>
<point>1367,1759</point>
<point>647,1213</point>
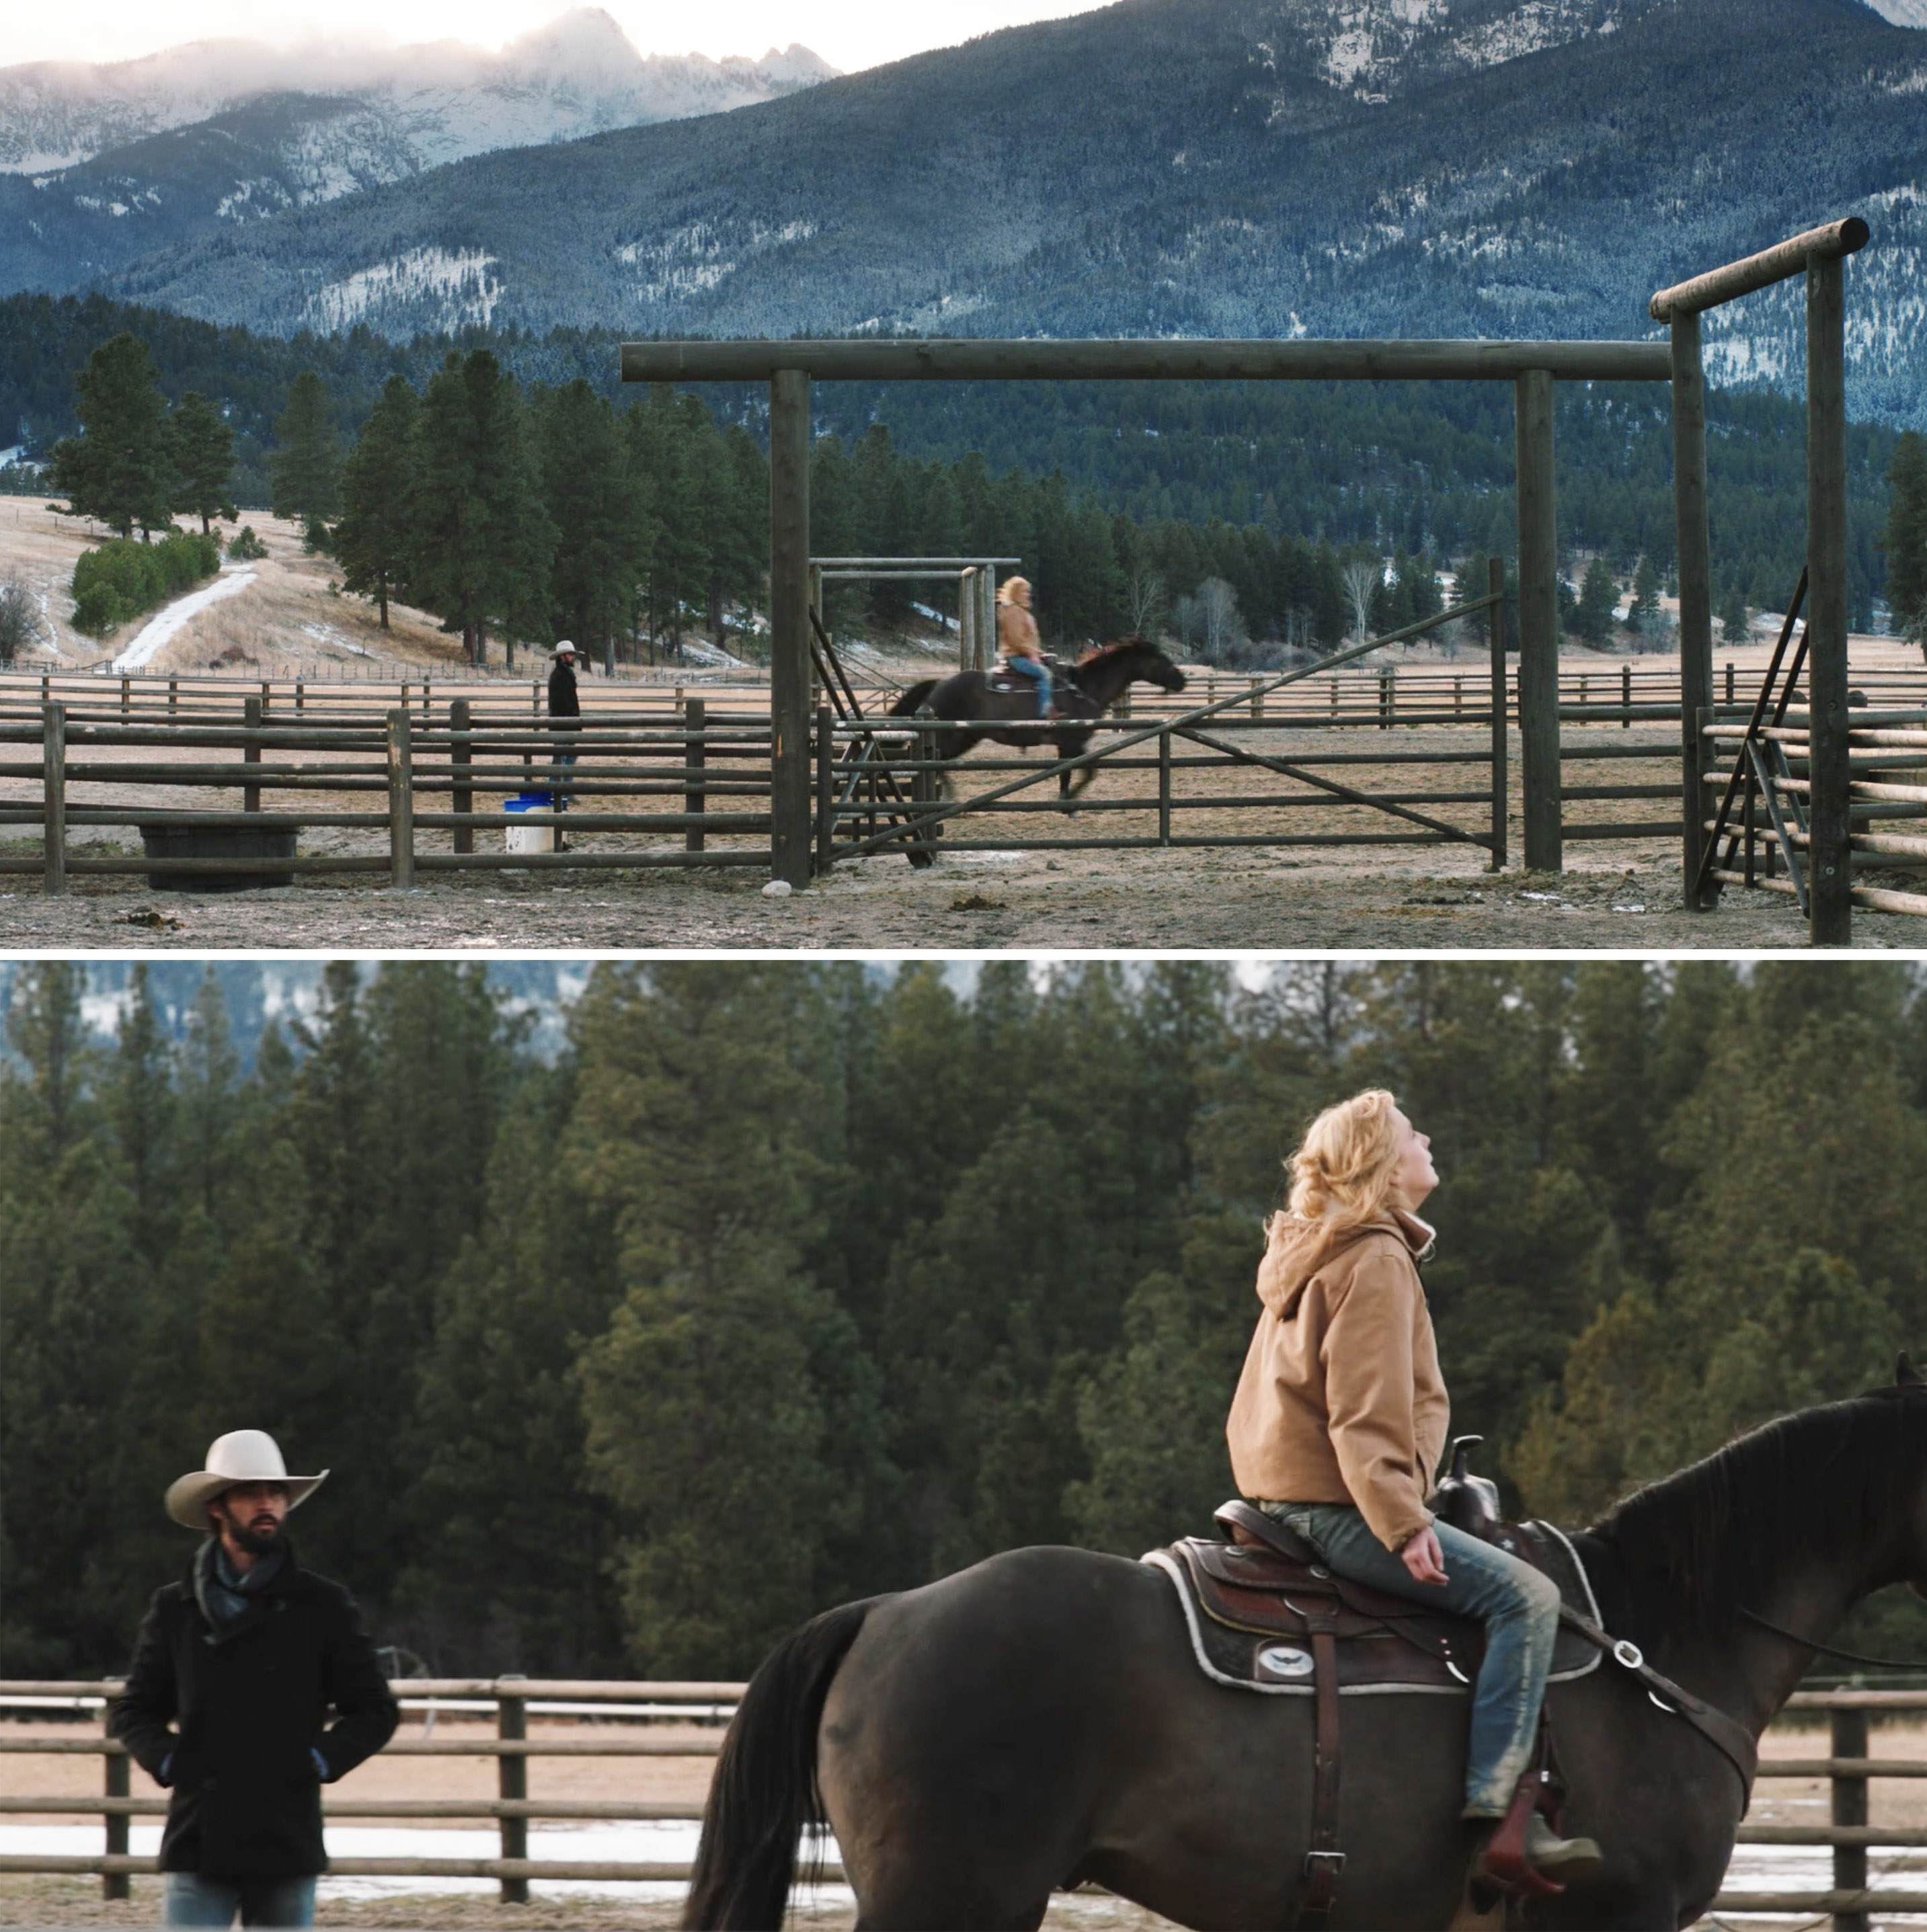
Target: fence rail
<point>1848,1767</point>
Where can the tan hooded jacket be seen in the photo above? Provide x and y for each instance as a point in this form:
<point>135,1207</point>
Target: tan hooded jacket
<point>1341,1399</point>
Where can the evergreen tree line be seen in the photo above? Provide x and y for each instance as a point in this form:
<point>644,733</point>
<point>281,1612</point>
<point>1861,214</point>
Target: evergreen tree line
<point>785,1282</point>
<point>1423,468</point>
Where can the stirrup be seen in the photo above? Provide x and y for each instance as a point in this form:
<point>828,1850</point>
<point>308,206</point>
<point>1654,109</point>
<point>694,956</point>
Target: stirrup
<point>1503,1862</point>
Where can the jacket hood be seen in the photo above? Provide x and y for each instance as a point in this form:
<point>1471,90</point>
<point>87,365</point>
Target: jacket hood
<point>1297,1249</point>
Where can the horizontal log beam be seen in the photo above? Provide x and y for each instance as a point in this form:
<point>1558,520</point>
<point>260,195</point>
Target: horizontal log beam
<point>1829,241</point>
<point>1160,359</point>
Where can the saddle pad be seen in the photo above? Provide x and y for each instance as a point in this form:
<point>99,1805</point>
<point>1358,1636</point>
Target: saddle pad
<point>1245,1608</point>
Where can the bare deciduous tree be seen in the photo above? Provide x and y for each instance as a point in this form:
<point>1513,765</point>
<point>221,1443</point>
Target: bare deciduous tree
<point>1361,578</point>
<point>1144,603</point>
<point>20,617</point>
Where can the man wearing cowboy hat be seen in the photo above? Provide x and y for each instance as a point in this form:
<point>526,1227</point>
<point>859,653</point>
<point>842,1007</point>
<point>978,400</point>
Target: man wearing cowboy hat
<point>235,1672</point>
<point>1018,643</point>
<point>565,714</point>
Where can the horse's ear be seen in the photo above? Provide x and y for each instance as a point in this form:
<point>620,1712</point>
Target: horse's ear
<point>1906,1376</point>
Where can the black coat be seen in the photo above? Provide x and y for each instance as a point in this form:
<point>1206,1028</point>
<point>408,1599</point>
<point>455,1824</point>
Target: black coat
<point>247,1797</point>
<point>563,701</point>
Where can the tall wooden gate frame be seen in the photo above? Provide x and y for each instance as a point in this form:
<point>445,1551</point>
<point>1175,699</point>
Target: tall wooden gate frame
<point>789,368</point>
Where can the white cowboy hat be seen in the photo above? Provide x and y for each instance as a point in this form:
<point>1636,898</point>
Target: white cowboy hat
<point>564,649</point>
<point>241,1456</point>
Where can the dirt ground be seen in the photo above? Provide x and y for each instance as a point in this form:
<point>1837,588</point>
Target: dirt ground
<point>1241,898</point>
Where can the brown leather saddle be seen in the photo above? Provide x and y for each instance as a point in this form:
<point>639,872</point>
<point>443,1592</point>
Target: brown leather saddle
<point>1251,1602</point>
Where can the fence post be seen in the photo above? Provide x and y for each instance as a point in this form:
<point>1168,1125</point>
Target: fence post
<point>400,802</point>
<point>1626,697</point>
<point>695,756</point>
<point>512,1725</point>
<point>1538,619</point>
<point>174,696</point>
<point>250,752</point>
<point>53,796</point>
<point>1830,883</point>
<point>1164,787</point>
<point>1696,603</point>
<point>127,694</point>
<point>826,791</point>
<point>1850,1807</point>
<point>789,626</point>
<point>114,1885</point>
<point>1495,631</point>
<point>461,770</point>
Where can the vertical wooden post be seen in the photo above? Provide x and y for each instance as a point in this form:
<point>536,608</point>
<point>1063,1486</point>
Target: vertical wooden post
<point>826,791</point>
<point>1849,1739</point>
<point>1626,697</point>
<point>53,796</point>
<point>1538,619</point>
<point>300,697</point>
<point>789,626</point>
<point>174,696</point>
<point>461,771</point>
<point>127,694</point>
<point>250,752</point>
<point>1164,787</point>
<point>1830,885</point>
<point>1729,681</point>
<point>1696,596</point>
<point>535,725</point>
<point>511,1725</point>
<point>401,802</point>
<point>987,617</point>
<point>114,1885</point>
<point>695,756</point>
<point>966,619</point>
<point>1495,631</point>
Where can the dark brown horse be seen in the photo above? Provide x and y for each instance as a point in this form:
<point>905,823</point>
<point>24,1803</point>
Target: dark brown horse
<point>1080,692</point>
<point>1038,1720</point>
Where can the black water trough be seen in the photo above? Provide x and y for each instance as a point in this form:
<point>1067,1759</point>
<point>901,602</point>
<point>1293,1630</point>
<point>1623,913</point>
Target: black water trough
<point>189,841</point>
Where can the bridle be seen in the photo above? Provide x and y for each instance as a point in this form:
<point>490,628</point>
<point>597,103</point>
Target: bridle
<point>1830,1650</point>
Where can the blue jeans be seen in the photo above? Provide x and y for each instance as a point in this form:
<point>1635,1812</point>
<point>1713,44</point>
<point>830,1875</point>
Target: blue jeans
<point>1518,1605</point>
<point>1031,667</point>
<point>193,1900</point>
<point>560,761</point>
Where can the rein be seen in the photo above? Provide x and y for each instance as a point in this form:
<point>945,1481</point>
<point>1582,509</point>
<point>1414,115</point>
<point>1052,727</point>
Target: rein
<point>1828,1650</point>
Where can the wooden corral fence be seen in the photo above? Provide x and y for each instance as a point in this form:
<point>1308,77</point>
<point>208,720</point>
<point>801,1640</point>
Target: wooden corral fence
<point>615,1717</point>
<point>1820,256</point>
<point>680,783</point>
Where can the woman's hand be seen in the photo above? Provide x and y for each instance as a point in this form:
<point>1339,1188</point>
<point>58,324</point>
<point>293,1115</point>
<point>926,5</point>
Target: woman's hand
<point>1424,1558</point>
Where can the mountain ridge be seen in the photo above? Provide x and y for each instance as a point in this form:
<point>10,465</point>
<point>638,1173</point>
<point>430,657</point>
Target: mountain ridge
<point>1182,167</point>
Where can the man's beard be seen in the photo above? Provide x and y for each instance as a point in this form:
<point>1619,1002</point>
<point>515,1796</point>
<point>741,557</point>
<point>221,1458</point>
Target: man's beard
<point>254,1542</point>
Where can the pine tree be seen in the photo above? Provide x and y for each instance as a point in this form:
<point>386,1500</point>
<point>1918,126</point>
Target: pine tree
<point>203,453</point>
<point>305,468</point>
<point>1734,628</point>
<point>1906,536</point>
<point>121,468</point>
<point>597,511</point>
<point>374,539</point>
<point>1591,618</point>
<point>1643,612</point>
<point>482,539</point>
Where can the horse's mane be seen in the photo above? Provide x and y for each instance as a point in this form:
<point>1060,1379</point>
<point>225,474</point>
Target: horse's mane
<point>1694,1548</point>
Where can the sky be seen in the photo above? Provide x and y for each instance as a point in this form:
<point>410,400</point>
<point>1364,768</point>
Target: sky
<point>848,34</point>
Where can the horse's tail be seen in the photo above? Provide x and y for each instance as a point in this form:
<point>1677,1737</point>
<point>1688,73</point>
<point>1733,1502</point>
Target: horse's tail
<point>765,1792</point>
<point>914,699</point>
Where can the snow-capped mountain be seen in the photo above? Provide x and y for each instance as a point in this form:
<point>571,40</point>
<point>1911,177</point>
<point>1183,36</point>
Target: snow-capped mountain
<point>414,107</point>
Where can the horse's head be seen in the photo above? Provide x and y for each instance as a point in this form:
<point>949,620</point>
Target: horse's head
<point>1138,659</point>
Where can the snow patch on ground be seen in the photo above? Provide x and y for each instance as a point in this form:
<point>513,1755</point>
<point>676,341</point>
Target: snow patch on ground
<point>159,630</point>
<point>326,634</point>
<point>461,284</point>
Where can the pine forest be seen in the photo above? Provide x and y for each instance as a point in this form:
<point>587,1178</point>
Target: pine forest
<point>750,1287</point>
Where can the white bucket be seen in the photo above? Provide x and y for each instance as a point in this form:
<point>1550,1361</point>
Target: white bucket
<point>526,837</point>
